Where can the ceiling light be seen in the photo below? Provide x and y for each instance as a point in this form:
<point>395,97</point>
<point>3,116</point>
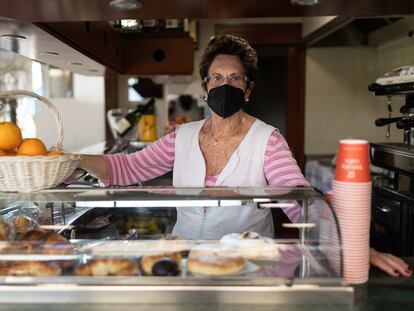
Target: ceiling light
<point>49,53</point>
<point>126,4</point>
<point>11,36</point>
<point>75,64</point>
<point>305,2</point>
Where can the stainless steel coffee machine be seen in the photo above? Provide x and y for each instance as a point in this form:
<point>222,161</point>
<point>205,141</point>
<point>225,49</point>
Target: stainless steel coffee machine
<point>393,188</point>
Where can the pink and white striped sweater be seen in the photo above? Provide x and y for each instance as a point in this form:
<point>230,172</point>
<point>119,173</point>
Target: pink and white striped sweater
<point>280,168</point>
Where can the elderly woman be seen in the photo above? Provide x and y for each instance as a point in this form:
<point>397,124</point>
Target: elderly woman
<point>231,148</point>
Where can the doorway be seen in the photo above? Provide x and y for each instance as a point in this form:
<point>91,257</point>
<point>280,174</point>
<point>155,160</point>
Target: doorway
<point>278,98</point>
<point>269,97</point>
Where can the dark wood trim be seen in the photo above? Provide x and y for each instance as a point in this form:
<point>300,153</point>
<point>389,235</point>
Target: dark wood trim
<point>295,114</point>
<point>99,10</point>
<point>327,29</point>
<point>264,34</point>
<point>284,8</point>
<point>111,97</point>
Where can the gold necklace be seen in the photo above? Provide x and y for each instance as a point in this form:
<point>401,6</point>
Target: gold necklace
<point>211,131</point>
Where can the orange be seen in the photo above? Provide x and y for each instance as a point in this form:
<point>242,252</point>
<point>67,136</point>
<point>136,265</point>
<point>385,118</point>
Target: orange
<point>3,153</point>
<point>55,153</point>
<point>32,147</point>
<point>11,153</point>
<point>10,136</point>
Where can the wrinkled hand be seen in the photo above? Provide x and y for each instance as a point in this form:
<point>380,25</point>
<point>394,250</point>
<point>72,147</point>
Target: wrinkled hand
<point>390,264</point>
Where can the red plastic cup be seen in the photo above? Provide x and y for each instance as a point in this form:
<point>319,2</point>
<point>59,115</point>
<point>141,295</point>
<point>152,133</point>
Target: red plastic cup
<point>352,164</point>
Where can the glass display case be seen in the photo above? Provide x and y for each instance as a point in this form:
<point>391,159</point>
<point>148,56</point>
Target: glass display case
<point>122,245</point>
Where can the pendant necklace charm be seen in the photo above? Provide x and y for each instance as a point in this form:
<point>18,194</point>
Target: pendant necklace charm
<point>215,140</point>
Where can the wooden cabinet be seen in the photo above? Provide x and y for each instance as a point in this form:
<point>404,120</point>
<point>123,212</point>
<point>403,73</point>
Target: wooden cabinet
<point>168,55</point>
<point>392,222</point>
<point>137,54</point>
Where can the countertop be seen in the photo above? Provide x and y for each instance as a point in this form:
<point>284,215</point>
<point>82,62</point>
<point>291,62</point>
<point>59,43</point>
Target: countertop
<point>382,292</point>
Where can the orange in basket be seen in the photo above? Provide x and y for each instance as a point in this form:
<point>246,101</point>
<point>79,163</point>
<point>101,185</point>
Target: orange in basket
<point>37,171</point>
<point>32,147</point>
<point>11,153</point>
<point>55,153</point>
<point>10,136</point>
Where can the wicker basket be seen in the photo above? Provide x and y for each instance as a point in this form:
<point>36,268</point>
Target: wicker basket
<point>32,173</point>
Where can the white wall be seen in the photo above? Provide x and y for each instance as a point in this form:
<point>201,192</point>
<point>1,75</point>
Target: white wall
<point>338,103</point>
<point>82,116</point>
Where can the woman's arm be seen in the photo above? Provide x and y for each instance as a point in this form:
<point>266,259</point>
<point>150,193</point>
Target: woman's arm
<point>125,169</point>
<point>281,169</point>
<point>280,166</point>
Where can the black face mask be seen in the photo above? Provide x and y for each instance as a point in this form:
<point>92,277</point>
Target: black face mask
<point>226,100</point>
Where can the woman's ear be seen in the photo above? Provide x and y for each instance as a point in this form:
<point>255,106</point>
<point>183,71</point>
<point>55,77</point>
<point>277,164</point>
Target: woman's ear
<point>205,91</point>
<point>248,91</point>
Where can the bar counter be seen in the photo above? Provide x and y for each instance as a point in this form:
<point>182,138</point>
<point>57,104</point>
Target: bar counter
<point>382,292</point>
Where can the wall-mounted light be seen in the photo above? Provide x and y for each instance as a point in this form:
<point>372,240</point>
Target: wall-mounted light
<point>305,2</point>
<point>126,4</point>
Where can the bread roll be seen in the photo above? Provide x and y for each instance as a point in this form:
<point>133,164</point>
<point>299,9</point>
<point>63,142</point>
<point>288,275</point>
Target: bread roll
<point>4,230</point>
<point>215,265</point>
<point>251,245</point>
<point>23,224</point>
<point>108,267</point>
<point>47,242</point>
<point>30,268</point>
<point>214,259</point>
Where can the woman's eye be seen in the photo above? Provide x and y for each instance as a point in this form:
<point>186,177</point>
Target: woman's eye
<point>235,78</point>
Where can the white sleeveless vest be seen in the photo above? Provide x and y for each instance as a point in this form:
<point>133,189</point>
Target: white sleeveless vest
<point>244,169</point>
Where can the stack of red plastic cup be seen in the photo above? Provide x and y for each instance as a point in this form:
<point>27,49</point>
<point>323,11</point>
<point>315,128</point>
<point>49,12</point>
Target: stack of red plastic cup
<point>352,205</point>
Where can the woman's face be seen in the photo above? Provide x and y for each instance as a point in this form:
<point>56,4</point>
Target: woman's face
<point>231,69</point>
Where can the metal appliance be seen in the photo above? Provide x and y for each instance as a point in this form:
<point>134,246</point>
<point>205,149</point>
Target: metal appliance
<point>393,189</point>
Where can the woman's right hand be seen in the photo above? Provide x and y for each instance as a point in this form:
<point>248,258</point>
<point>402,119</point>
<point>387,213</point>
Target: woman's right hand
<point>95,165</point>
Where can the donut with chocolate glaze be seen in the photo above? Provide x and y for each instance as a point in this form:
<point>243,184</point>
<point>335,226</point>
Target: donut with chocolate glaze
<point>148,261</point>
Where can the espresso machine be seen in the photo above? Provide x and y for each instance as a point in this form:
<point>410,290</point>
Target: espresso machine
<point>392,227</point>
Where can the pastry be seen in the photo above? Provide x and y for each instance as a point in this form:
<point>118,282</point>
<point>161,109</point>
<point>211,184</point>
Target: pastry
<point>148,261</point>
<point>213,259</point>
<point>166,267</point>
<point>251,245</point>
<point>215,265</point>
<point>47,242</point>
<point>23,224</point>
<point>30,268</point>
<point>108,267</point>
<point>37,235</point>
<point>4,230</point>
